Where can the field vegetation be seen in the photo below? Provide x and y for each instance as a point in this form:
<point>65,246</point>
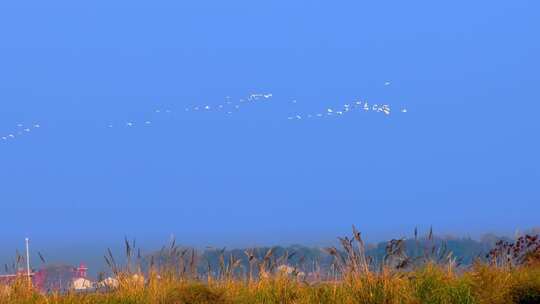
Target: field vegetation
<point>509,273</point>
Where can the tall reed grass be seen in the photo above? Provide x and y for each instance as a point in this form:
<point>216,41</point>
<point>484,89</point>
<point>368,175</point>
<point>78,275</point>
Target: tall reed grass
<point>432,276</point>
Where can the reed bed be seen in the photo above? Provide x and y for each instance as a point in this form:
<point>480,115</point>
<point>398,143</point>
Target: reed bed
<point>509,274</point>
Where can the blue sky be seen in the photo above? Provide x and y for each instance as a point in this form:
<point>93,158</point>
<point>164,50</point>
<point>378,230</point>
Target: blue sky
<point>463,159</point>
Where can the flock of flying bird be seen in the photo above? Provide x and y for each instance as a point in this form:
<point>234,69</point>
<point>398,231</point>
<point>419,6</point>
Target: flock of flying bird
<point>228,107</point>
<point>347,108</point>
<point>20,130</point>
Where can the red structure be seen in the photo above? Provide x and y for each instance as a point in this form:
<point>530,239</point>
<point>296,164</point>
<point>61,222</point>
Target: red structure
<point>81,271</point>
<point>45,281</point>
<point>7,279</point>
<point>38,278</point>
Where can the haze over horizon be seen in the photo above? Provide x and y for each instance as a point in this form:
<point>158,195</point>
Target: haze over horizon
<point>95,96</point>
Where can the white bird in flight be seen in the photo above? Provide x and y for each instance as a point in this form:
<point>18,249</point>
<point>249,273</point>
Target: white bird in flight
<point>366,107</point>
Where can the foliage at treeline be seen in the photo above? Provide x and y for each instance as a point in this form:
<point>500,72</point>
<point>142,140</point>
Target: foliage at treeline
<point>310,259</point>
<point>335,265</point>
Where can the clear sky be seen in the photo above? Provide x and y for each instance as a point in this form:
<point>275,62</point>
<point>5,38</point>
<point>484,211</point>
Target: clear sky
<point>464,158</point>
